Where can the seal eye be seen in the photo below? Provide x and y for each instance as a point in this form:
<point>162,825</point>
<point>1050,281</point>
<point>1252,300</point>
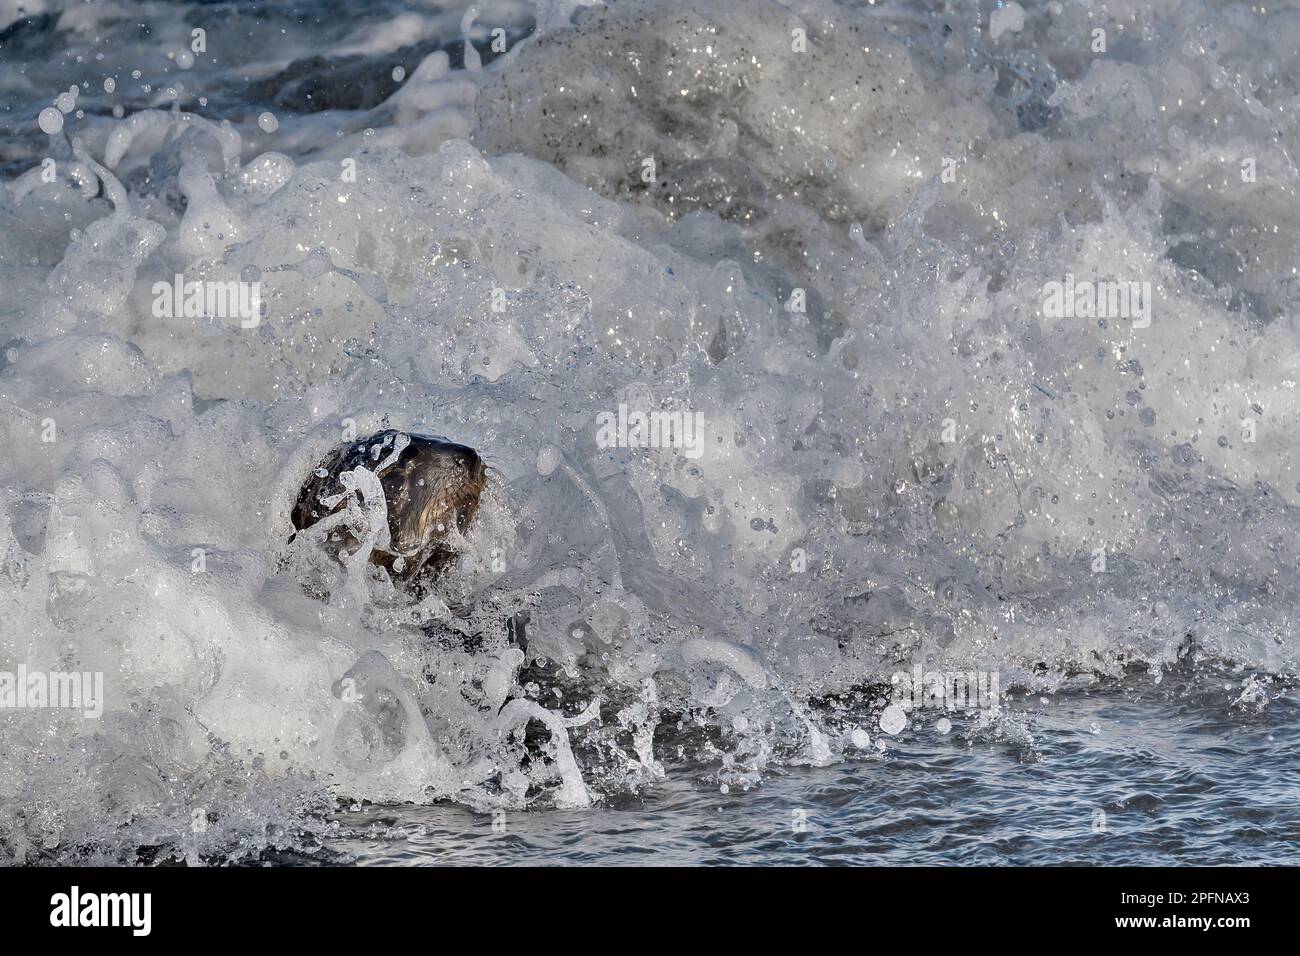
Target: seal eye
<point>464,461</point>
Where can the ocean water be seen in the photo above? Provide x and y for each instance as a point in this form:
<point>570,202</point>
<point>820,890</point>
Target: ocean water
<point>891,412</point>
<point>1119,778</point>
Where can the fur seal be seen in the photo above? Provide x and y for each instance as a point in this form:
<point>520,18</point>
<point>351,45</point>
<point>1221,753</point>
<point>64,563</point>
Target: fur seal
<point>430,486</point>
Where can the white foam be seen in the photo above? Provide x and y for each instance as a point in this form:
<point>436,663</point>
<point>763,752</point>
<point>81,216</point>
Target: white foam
<point>920,466</point>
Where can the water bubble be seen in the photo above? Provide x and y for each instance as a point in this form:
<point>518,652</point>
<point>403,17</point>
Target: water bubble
<point>399,73</point>
<point>110,84</point>
<point>548,459</point>
<point>268,122</point>
<point>184,59</point>
<point>66,102</point>
<point>860,738</point>
<point>944,726</point>
<point>892,719</point>
<point>50,120</point>
<point>118,110</point>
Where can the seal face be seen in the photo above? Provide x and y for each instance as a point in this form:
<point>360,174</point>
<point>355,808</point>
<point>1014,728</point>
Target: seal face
<point>430,486</point>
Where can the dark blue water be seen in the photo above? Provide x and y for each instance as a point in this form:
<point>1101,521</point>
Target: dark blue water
<point>1139,775</point>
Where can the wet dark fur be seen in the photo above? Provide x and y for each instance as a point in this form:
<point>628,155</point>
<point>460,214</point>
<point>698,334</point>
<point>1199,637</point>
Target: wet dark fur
<point>433,486</point>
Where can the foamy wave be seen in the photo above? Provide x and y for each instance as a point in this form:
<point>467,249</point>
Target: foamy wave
<point>825,234</point>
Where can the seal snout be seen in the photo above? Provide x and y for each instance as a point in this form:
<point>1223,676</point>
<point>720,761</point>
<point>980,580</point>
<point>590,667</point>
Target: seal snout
<point>432,488</point>
<point>459,475</point>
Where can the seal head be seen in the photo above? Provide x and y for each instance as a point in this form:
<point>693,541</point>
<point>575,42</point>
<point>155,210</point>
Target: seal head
<point>430,486</point>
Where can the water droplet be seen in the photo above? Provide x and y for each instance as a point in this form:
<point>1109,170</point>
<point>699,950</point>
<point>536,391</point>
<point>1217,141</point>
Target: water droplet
<point>268,122</point>
<point>50,120</point>
<point>548,459</point>
<point>893,719</point>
